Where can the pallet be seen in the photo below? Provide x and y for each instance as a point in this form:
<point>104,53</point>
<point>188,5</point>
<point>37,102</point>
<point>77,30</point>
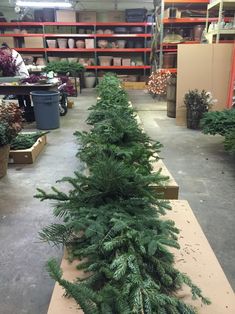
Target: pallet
<point>27,156</point>
<point>134,85</point>
<point>195,258</point>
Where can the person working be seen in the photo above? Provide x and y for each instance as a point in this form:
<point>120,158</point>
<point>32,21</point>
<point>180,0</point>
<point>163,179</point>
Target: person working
<point>24,100</point>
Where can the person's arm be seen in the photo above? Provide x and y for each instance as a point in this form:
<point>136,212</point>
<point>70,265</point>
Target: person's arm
<point>22,70</point>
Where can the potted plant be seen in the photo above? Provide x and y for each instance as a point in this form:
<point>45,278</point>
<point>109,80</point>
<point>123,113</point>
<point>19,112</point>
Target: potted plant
<point>10,125</point>
<point>89,79</point>
<point>65,68</point>
<point>197,103</point>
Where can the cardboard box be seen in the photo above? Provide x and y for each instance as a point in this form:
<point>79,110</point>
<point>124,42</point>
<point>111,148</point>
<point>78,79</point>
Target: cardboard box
<point>195,258</point>
<point>117,61</point>
<point>65,16</point>
<point>27,156</point>
<point>176,13</point>
<point>87,16</point>
<point>33,42</point>
<point>126,62</point>
<point>111,16</point>
<point>10,41</point>
<point>89,43</point>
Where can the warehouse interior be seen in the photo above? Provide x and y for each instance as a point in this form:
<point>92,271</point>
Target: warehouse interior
<point>155,55</point>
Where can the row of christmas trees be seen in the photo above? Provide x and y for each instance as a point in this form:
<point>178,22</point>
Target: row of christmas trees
<point>112,218</point>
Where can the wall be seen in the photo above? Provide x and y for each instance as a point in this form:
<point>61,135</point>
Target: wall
<point>8,12</point>
<point>203,66</point>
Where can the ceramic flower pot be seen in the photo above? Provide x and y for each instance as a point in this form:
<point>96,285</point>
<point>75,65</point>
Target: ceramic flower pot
<point>72,59</point>
<point>121,43</point>
<point>71,43</point>
<point>80,44</point>
<point>52,59</point>
<point>89,81</point>
<point>51,43</point>
<point>102,43</point>
<point>62,43</point>
<point>4,157</point>
<point>105,60</point>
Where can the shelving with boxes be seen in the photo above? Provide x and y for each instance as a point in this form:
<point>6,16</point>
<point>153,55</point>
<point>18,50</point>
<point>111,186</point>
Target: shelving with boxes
<point>182,23</point>
<point>100,46</point>
<point>224,25</point>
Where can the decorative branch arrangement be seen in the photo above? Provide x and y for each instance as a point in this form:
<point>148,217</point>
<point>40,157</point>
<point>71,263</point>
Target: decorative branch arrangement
<point>157,84</point>
<point>11,123</point>
<point>112,219</point>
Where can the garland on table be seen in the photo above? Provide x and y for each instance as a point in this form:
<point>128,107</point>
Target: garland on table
<point>112,219</point>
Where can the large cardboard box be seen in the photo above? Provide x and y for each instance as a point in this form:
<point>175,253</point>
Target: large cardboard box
<point>87,16</point>
<point>203,67</point>
<point>111,16</point>
<point>65,16</point>
<point>10,41</point>
<point>33,42</point>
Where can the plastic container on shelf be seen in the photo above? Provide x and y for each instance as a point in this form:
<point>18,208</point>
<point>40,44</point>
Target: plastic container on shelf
<point>137,29</point>
<point>120,30</point>
<point>46,109</point>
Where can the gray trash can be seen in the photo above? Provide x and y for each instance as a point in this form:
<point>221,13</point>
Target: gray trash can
<point>46,109</point>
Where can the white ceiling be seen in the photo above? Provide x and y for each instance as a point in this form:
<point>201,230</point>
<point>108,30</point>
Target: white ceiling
<point>97,5</point>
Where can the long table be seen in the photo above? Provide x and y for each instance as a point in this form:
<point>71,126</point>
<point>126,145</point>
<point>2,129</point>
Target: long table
<point>24,89</point>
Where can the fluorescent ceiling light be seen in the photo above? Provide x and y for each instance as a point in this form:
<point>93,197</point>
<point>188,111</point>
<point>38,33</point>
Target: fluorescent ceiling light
<point>42,4</point>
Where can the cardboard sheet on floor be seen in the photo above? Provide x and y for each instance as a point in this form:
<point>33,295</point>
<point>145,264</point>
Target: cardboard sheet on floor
<point>195,258</point>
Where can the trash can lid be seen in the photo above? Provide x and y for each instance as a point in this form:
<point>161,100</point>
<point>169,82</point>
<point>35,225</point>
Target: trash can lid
<point>44,93</point>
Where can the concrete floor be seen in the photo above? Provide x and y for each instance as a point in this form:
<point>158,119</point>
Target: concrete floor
<point>198,162</point>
